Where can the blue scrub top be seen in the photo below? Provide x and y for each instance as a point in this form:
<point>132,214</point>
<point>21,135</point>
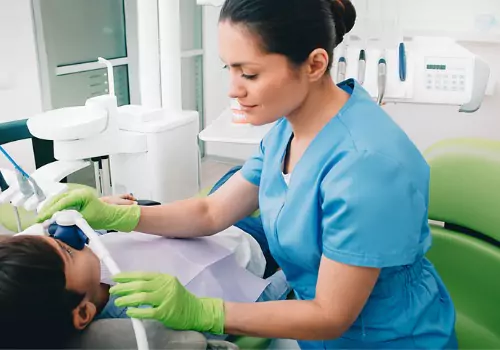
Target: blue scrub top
<point>359,195</point>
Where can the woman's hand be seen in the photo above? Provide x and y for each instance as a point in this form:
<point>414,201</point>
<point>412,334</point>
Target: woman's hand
<point>98,214</point>
<point>171,303</point>
<point>124,199</point>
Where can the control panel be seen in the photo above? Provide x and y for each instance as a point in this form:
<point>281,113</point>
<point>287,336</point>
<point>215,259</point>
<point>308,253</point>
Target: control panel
<point>440,78</point>
<point>444,80</point>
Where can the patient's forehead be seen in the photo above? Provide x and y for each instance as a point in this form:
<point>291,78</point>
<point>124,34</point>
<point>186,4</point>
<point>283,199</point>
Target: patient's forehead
<point>52,242</point>
<point>38,232</point>
<point>6,240</point>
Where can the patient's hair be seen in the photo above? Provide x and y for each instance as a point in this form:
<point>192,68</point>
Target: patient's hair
<point>35,306</point>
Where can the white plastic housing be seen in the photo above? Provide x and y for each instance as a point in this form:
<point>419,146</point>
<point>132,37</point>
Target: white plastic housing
<point>169,170</point>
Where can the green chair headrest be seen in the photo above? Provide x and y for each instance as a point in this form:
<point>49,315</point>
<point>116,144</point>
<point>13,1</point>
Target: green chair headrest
<point>465,184</point>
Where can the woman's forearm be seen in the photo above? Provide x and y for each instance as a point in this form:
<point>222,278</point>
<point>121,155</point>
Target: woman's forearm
<point>288,319</point>
<point>205,216</point>
<point>182,219</point>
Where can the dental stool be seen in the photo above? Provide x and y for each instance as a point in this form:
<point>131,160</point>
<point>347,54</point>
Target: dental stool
<point>465,196</point>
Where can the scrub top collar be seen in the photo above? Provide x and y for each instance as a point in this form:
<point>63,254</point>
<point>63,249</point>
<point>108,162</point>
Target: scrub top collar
<point>356,92</point>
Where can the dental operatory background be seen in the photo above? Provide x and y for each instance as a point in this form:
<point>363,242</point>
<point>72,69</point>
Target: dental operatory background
<point>48,48</point>
<point>129,96</point>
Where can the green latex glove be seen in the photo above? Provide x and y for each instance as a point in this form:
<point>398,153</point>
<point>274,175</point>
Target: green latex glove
<point>99,215</point>
<point>171,303</point>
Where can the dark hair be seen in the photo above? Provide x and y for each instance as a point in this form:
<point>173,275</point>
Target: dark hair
<point>35,306</point>
<point>294,28</point>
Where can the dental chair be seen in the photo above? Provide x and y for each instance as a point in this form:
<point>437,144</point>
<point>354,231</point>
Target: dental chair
<point>465,196</point>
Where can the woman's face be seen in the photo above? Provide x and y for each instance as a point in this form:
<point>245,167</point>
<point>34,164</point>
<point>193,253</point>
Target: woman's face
<point>266,85</point>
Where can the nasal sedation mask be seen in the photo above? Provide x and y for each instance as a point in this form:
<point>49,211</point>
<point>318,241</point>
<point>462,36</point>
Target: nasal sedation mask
<point>69,235</point>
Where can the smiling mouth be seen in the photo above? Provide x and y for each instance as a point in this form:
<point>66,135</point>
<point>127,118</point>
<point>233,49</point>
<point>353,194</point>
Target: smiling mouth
<point>246,108</point>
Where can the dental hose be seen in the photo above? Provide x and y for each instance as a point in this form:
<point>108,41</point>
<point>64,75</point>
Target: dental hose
<point>23,179</point>
<point>102,252</point>
<point>16,166</point>
<point>26,190</point>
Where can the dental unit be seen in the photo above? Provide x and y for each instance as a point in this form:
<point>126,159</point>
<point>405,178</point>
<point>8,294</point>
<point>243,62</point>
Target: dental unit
<point>152,153</point>
<point>421,70</point>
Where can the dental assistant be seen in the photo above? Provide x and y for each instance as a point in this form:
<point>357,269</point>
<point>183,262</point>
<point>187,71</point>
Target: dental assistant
<point>343,195</point>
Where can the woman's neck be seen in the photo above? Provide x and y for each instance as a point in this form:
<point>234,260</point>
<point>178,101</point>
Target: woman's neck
<point>322,103</point>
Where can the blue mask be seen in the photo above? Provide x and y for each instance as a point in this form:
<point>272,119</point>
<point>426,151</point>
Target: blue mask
<point>70,235</point>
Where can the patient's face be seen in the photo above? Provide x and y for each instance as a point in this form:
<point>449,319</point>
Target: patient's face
<point>83,275</point>
<point>82,267</point>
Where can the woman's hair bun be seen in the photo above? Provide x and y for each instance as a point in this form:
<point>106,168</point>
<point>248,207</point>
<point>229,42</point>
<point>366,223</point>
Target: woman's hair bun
<point>344,15</point>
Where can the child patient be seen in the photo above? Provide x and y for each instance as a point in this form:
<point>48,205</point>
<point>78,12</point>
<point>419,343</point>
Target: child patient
<point>50,291</point>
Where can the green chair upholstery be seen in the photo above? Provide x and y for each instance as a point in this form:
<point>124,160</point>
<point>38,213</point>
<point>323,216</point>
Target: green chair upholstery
<point>465,196</point>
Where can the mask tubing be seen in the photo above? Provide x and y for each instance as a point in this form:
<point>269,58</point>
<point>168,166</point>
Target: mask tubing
<point>103,253</point>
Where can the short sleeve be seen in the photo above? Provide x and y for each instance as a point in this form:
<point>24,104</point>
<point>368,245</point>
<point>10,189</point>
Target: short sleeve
<point>372,215</point>
<point>252,168</point>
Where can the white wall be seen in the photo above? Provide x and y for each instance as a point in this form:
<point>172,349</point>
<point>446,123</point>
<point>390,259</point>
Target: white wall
<point>20,92</point>
<point>423,123</point>
<point>477,20</point>
<point>216,86</point>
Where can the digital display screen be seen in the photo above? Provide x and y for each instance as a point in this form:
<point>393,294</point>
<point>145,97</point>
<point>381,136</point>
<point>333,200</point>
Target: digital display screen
<point>436,66</point>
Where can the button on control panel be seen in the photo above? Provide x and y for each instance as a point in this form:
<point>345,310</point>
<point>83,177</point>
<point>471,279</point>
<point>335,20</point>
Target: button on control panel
<point>439,78</point>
